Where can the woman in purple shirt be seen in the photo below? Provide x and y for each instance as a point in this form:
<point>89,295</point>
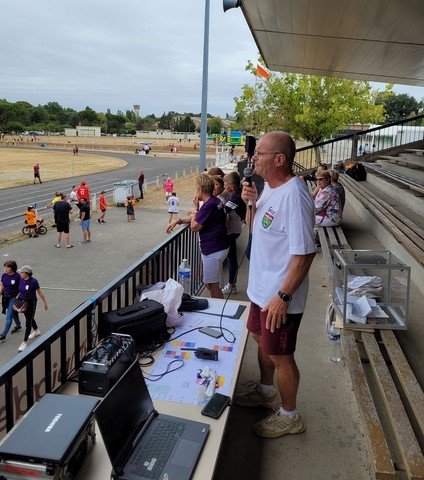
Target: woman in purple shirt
<point>28,290</point>
<point>210,222</point>
<point>9,288</point>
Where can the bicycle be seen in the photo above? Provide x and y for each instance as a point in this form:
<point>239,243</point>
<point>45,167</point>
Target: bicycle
<point>40,229</point>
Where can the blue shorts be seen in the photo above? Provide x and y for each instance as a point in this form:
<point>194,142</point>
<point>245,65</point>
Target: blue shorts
<point>85,225</point>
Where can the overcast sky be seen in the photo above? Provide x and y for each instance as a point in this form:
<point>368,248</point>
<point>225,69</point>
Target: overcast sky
<point>114,54</point>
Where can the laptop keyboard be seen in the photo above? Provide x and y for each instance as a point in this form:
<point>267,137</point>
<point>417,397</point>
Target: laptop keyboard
<point>150,461</point>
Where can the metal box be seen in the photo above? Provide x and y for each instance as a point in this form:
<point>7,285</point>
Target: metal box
<point>371,289</point>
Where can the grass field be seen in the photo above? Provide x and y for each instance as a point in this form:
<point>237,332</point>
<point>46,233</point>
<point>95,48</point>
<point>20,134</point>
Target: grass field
<point>16,166</point>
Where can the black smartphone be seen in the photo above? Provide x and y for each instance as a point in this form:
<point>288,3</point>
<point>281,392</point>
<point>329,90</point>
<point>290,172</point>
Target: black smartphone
<point>215,405</point>
<point>212,332</point>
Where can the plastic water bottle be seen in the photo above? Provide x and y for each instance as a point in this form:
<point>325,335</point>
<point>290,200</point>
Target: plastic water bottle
<point>184,276</point>
<point>334,343</point>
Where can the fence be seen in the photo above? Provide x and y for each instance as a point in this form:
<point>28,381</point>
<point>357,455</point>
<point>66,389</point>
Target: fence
<point>45,367</point>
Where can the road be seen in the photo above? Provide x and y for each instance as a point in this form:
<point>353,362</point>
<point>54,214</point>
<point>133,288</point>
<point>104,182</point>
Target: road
<point>14,201</point>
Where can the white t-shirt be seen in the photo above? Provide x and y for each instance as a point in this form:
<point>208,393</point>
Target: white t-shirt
<point>283,226</point>
<point>73,197</point>
<point>173,204</point>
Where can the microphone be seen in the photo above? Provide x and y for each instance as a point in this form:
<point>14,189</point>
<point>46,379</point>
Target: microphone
<point>248,173</point>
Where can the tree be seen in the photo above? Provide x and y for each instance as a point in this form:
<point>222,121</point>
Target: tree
<point>214,125</point>
<point>185,124</point>
<point>88,117</point>
<point>306,106</point>
<point>397,106</point>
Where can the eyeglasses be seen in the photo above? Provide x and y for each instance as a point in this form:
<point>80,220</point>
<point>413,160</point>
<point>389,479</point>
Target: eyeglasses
<point>256,153</point>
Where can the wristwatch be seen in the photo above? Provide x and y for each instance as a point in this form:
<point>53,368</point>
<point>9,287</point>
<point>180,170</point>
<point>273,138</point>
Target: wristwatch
<point>285,297</point>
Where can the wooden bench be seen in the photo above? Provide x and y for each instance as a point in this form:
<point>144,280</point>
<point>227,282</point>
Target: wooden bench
<point>389,398</point>
<point>418,151</point>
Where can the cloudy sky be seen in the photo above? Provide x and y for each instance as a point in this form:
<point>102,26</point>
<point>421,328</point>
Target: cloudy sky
<point>114,54</point>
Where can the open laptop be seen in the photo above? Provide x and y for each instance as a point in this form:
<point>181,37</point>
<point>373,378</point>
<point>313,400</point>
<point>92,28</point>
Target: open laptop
<point>134,434</point>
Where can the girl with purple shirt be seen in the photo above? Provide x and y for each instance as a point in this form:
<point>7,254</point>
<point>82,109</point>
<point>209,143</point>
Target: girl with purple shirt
<point>9,288</point>
<point>210,222</point>
<point>28,290</point>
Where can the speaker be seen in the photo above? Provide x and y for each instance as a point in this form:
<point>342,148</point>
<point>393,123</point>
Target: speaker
<point>250,145</point>
<point>228,4</point>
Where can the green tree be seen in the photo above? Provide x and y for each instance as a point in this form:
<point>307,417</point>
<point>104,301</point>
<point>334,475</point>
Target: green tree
<point>214,125</point>
<point>185,124</point>
<point>306,106</point>
<point>397,106</point>
<point>88,117</point>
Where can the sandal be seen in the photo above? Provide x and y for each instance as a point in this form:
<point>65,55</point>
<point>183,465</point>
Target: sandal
<point>57,246</point>
<point>69,246</point>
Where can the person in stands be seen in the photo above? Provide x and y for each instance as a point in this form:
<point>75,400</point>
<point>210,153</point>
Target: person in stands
<point>328,208</point>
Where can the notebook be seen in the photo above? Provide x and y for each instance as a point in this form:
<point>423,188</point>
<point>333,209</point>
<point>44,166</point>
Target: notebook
<point>136,436</point>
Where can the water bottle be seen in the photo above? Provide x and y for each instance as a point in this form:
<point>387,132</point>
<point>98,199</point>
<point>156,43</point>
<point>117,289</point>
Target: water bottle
<point>184,276</point>
<point>334,343</point>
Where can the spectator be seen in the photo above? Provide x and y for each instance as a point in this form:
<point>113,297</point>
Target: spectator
<point>56,198</point>
<point>328,209</point>
<point>29,288</point>
<point>83,191</point>
<point>219,189</point>
<point>210,222</point>
<point>73,197</point>
<point>9,289</point>
<point>130,209</point>
<point>236,212</point>
<point>62,210</point>
<point>322,167</point>
<point>173,202</point>
<point>102,207</point>
<point>85,221</point>
<point>141,184</point>
<point>338,187</point>
<point>37,172</point>
<point>168,188</point>
<point>216,171</point>
<point>282,252</point>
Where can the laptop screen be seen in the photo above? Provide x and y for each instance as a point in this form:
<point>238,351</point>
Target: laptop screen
<point>122,412</point>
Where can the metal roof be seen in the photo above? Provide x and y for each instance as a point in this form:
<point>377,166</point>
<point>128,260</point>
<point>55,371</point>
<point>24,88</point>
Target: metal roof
<point>372,40</point>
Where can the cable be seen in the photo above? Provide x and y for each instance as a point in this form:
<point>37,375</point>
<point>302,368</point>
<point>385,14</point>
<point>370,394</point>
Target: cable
<point>166,372</point>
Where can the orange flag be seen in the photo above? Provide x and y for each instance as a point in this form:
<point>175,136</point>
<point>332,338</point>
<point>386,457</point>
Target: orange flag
<point>261,71</point>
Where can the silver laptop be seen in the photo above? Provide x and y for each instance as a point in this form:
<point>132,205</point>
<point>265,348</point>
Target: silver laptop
<point>141,443</point>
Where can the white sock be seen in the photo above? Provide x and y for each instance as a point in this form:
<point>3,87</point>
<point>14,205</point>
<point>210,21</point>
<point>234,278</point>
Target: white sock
<point>291,414</point>
<point>266,389</point>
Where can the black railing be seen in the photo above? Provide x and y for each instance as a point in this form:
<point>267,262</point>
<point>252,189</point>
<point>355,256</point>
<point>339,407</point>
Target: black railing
<point>56,357</point>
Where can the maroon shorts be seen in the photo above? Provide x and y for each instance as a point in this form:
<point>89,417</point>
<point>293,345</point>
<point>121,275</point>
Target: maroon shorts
<point>283,340</point>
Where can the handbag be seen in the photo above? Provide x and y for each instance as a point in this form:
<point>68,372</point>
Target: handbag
<point>20,305</point>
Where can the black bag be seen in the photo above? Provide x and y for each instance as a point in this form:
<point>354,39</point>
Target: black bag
<point>20,305</point>
<point>145,321</point>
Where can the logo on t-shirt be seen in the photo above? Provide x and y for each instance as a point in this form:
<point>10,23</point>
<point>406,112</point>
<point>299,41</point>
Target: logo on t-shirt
<point>268,218</point>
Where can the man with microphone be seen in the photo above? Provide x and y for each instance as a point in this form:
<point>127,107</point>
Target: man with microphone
<point>283,247</point>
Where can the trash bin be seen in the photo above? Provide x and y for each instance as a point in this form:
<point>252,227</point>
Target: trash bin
<point>121,190</point>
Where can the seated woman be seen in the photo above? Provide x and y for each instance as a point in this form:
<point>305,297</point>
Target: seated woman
<point>338,187</point>
<point>328,209</point>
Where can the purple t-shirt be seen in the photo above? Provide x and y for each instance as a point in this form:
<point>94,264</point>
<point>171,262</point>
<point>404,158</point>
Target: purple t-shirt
<point>28,289</point>
<point>213,236</point>
<point>10,284</point>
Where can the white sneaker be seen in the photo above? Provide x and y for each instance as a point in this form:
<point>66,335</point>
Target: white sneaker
<point>35,333</point>
<point>22,346</point>
<point>228,288</point>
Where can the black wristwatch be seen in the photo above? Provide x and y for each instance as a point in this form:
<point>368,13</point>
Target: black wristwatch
<point>285,297</point>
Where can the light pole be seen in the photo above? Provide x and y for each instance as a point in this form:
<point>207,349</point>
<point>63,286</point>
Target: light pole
<point>227,4</point>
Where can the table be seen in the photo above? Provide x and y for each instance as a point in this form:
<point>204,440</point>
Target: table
<point>97,465</point>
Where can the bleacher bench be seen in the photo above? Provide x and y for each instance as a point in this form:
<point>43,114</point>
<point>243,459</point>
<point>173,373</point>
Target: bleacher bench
<point>389,398</point>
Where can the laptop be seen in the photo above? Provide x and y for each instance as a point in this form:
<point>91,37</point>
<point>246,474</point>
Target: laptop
<point>56,432</point>
<point>141,443</point>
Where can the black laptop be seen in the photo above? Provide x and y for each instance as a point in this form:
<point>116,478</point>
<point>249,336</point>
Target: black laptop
<point>141,443</point>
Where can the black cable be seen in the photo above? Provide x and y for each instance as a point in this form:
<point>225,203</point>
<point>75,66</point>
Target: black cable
<point>166,372</point>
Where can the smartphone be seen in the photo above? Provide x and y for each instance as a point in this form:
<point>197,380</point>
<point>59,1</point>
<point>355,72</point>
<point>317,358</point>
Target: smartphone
<point>212,332</point>
<point>215,405</point>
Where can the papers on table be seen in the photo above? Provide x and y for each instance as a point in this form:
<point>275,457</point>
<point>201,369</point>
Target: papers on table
<point>358,309</point>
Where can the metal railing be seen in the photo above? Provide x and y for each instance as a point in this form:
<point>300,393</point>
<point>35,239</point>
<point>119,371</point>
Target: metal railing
<point>53,360</point>
<point>345,148</point>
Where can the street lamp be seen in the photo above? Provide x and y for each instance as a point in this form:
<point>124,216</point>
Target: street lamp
<point>227,4</point>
